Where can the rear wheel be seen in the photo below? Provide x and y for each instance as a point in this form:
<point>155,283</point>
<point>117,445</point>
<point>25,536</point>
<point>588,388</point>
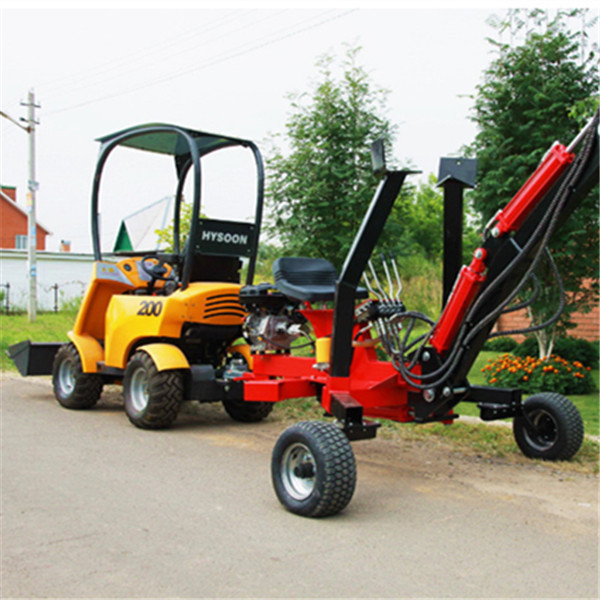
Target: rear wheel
<point>247,412</point>
<point>73,388</point>
<point>238,409</point>
<point>313,469</point>
<point>152,397</point>
<point>551,427</point>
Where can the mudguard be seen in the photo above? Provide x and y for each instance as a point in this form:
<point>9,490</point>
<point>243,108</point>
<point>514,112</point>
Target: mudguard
<point>166,356</point>
<point>89,349</point>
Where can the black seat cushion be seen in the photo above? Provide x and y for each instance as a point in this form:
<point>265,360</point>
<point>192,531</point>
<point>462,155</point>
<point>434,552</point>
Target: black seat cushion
<point>308,279</point>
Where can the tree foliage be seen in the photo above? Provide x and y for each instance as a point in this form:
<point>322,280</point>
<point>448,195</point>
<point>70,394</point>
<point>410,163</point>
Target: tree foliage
<point>319,189</point>
<point>165,235</point>
<point>534,92</point>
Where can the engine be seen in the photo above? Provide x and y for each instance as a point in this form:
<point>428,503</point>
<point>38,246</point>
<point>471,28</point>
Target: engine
<point>273,322</point>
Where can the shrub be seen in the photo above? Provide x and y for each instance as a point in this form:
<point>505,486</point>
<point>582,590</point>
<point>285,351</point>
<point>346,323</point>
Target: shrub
<point>501,344</point>
<point>574,349</point>
<point>528,347</point>
<point>554,374</point>
<point>570,348</point>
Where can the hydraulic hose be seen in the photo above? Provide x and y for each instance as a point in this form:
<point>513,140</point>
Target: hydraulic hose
<point>466,332</point>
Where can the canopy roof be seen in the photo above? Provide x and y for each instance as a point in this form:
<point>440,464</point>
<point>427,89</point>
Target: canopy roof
<point>166,139</point>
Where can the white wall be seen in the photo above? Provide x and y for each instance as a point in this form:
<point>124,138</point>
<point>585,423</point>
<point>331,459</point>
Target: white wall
<point>70,271</point>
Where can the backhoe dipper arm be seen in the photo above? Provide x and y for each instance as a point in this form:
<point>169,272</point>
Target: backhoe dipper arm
<point>514,241</point>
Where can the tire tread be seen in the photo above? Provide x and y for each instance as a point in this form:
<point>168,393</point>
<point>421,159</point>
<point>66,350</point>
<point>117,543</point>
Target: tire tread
<point>166,393</point>
<point>339,477</point>
<point>568,419</point>
<point>88,386</point>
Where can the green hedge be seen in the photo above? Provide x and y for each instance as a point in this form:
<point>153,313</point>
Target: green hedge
<point>569,348</point>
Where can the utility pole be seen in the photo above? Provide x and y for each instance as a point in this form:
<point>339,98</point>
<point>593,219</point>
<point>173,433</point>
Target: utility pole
<point>32,186</point>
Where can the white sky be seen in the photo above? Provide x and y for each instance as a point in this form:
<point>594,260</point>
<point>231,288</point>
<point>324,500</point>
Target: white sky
<point>96,71</point>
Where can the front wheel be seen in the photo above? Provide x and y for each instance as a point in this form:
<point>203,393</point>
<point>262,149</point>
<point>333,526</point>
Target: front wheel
<point>152,397</point>
<point>313,469</point>
<point>73,388</point>
<point>551,427</point>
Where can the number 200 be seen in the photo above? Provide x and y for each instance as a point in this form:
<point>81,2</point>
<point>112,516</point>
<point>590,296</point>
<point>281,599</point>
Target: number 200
<point>149,308</point>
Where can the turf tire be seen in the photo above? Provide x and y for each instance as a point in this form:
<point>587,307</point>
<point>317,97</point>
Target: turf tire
<point>313,469</point>
<point>551,429</point>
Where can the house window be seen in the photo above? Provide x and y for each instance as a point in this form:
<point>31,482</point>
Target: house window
<point>21,242</point>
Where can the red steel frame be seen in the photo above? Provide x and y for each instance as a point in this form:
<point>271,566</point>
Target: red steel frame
<point>374,384</point>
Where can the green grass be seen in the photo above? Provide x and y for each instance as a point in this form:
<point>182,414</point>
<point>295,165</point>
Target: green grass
<point>48,327</point>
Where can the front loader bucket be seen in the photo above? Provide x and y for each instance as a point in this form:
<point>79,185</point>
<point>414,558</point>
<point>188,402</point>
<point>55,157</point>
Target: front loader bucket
<point>33,358</point>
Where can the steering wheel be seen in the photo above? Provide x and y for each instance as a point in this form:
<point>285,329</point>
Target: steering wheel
<point>156,269</point>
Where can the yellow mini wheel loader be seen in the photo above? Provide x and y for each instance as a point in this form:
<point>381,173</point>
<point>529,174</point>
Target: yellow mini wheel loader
<point>165,324</point>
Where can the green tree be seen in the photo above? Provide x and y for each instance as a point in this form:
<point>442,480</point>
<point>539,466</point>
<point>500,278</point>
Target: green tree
<point>319,189</point>
<point>530,96</point>
<point>165,235</point>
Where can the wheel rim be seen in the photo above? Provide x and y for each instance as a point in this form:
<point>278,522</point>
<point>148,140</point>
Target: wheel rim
<point>66,376</point>
<point>542,430</point>
<point>138,389</point>
<point>299,471</point>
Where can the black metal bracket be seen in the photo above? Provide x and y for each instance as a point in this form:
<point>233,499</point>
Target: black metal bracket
<point>350,413</point>
<point>455,174</point>
<point>496,403</point>
<point>204,386</point>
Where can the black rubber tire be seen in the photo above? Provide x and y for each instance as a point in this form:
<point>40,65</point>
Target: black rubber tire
<point>152,397</point>
<point>73,388</point>
<point>313,469</point>
<point>551,429</point>
<point>247,412</point>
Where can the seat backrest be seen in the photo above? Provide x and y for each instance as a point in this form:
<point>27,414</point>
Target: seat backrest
<point>307,279</point>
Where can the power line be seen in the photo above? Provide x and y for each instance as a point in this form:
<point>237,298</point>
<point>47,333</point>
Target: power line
<point>236,53</point>
<point>144,53</point>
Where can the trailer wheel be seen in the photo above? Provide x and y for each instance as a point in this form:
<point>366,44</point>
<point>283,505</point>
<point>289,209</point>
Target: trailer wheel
<point>73,388</point>
<point>152,397</point>
<point>247,412</point>
<point>551,427</point>
<point>313,469</point>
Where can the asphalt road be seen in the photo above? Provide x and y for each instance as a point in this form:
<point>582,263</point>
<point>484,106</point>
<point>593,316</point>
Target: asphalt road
<point>93,507</point>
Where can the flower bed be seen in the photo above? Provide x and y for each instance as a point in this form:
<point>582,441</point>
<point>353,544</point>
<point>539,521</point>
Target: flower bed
<point>554,374</point>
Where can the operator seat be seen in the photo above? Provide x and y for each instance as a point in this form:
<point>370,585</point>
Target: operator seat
<point>308,279</point>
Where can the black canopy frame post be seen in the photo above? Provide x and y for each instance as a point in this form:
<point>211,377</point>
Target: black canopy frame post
<point>187,146</point>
